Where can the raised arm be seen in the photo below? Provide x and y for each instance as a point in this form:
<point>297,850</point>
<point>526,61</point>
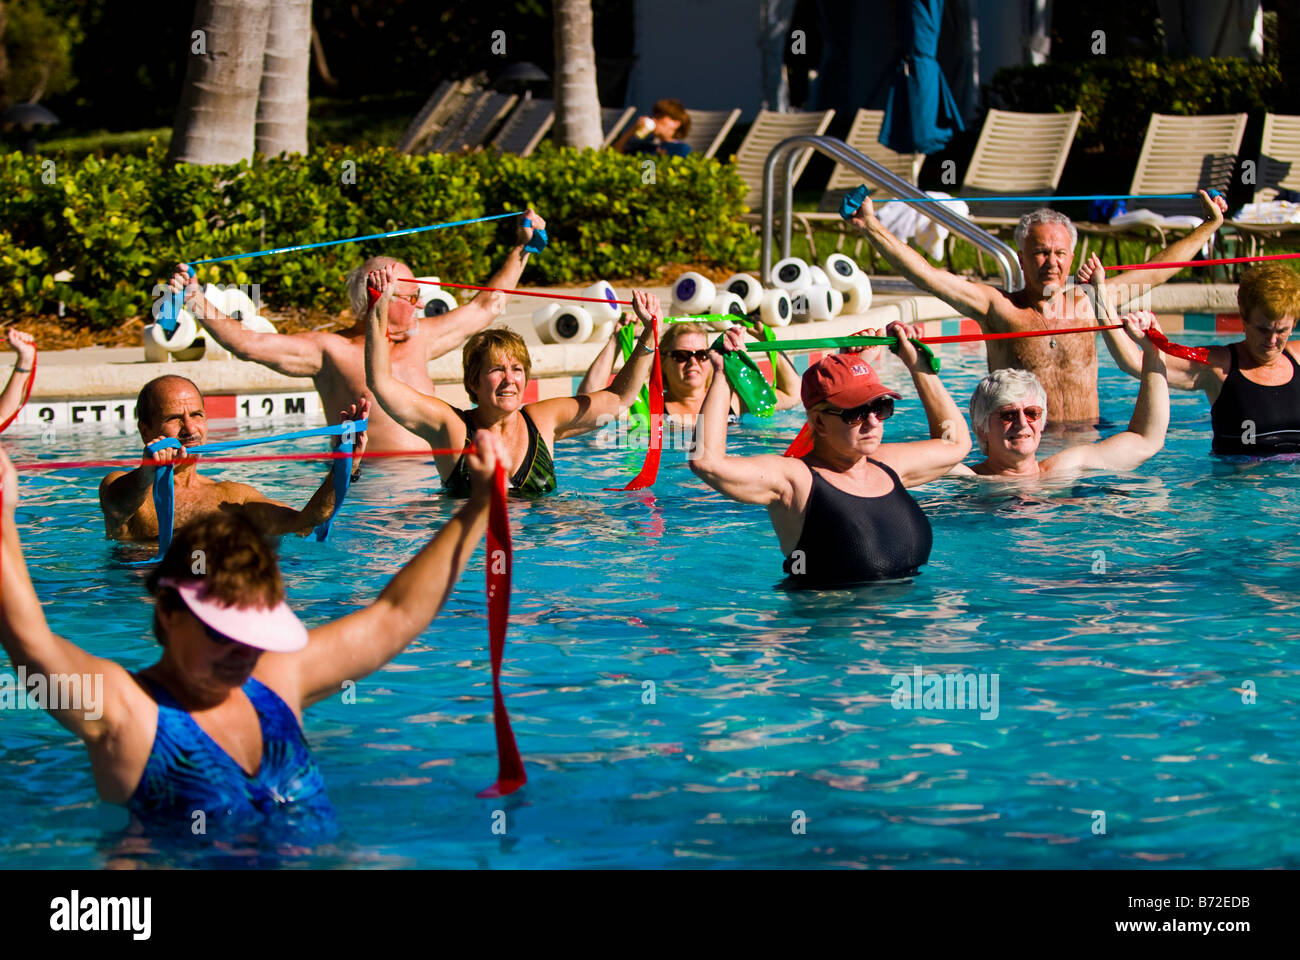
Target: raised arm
<point>456,326</point>
<point>429,418</point>
<point>921,461</point>
<point>31,645</point>
<point>292,354</point>
<point>123,493</point>
<point>602,368</point>
<point>1184,249</point>
<point>275,519</point>
<point>572,416</point>
<point>12,397</point>
<point>1146,428</point>
<point>764,480</point>
<point>362,642</point>
<point>970,299</point>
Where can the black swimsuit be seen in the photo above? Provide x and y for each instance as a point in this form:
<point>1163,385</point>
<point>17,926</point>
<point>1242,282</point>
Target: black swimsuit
<point>1274,412</point>
<point>849,539</point>
<point>535,476</point>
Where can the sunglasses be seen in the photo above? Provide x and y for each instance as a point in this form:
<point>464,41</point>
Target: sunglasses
<point>1032,414</point>
<point>412,298</point>
<point>882,407</point>
<point>682,356</point>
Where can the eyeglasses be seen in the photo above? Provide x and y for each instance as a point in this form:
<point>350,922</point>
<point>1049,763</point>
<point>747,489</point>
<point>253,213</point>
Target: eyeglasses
<point>882,407</point>
<point>682,356</point>
<point>412,298</point>
<point>1032,414</point>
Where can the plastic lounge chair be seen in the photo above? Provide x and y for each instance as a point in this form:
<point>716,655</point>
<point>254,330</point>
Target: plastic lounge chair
<point>526,127</point>
<point>1179,155</point>
<point>612,122</point>
<point>769,129</point>
<point>709,128</point>
<point>447,101</point>
<point>1279,169</point>
<point>484,112</point>
<point>864,137</point>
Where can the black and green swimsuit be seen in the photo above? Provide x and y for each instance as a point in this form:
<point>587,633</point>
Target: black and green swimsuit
<point>535,476</point>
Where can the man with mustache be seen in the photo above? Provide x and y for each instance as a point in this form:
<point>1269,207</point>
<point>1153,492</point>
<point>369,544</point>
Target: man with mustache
<point>336,361</point>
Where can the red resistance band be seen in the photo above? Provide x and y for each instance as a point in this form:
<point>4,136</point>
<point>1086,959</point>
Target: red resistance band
<point>802,444</point>
<point>650,468</point>
<point>500,561</point>
<point>522,293</point>
<point>1203,263</point>
<point>27,392</point>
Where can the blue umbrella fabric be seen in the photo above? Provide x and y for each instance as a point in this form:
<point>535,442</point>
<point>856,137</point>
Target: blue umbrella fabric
<point>921,114</point>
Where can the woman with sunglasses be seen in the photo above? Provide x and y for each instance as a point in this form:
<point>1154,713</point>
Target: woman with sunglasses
<point>215,725</point>
<point>1009,411</point>
<point>687,372</point>
<point>842,513</point>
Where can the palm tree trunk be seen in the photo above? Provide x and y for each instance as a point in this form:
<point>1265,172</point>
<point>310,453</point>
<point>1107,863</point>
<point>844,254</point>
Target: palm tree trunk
<point>577,105</point>
<point>218,106</point>
<point>282,103</point>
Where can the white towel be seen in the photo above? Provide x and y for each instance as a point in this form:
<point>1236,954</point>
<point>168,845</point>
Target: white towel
<point>1277,211</point>
<point>1150,217</point>
<point>906,222</point>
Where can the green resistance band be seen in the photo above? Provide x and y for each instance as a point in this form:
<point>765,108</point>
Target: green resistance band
<point>747,380</point>
<point>837,342</point>
<point>640,406</point>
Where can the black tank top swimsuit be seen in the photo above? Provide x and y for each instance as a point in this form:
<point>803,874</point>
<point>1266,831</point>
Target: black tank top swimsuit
<point>535,476</point>
<point>848,539</point>
<point>1274,411</point>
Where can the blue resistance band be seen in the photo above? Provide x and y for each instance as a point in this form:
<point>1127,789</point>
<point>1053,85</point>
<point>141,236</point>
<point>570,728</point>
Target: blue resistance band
<point>164,489</point>
<point>172,303</point>
<point>853,199</point>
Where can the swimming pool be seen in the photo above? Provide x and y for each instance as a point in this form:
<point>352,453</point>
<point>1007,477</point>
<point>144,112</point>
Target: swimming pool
<point>1123,617</point>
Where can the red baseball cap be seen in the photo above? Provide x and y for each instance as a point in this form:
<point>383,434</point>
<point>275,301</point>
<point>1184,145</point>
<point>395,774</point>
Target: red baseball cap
<point>843,380</point>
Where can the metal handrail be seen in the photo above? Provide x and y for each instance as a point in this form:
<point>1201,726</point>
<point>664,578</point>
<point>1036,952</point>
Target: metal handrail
<point>1006,259</point>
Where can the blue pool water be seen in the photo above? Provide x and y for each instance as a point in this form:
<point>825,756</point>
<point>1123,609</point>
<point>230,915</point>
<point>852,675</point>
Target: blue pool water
<point>1120,690</point>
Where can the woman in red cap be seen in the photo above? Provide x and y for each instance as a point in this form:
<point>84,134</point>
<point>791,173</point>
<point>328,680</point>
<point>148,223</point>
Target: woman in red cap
<point>842,513</point>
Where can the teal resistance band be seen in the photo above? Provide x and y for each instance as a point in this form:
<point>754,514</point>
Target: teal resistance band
<point>171,305</point>
<point>164,490</point>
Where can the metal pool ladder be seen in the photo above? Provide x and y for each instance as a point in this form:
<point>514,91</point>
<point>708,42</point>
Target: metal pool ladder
<point>874,173</point>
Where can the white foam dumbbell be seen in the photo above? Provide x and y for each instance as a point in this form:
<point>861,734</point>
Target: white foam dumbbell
<point>841,271</point>
<point>824,303</point>
<point>160,348</point>
<point>791,274</point>
<point>801,304</point>
<point>439,302</point>
<point>693,292</point>
<point>600,312</point>
<point>747,288</point>
<point>570,324</point>
<point>819,278</point>
<point>775,309</point>
<point>542,321</point>
<point>601,332</point>
<point>857,298</point>
<point>728,304</point>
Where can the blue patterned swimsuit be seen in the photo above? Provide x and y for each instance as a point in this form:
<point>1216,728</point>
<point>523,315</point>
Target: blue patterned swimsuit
<point>188,771</point>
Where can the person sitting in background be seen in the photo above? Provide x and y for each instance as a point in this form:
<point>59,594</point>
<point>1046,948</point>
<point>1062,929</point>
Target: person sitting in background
<point>1008,411</point>
<point>687,372</point>
<point>662,133</point>
<point>12,398</point>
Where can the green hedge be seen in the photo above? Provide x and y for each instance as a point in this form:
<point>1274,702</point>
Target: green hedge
<point>118,223</point>
<point>1118,95</point>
